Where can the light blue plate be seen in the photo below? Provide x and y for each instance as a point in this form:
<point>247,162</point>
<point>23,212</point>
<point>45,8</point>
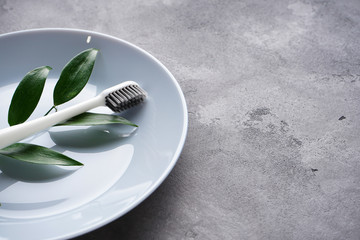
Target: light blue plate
<point>122,166</point>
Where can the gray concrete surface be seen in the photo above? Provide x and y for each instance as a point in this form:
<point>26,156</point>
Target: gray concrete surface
<point>273,92</point>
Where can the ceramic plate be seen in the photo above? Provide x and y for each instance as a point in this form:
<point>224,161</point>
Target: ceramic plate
<point>122,165</point>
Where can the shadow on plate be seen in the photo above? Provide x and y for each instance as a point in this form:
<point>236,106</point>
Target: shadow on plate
<point>90,139</point>
<point>94,138</point>
<point>30,206</point>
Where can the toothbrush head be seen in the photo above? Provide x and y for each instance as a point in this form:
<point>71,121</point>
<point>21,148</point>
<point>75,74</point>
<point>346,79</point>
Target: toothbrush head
<point>126,96</point>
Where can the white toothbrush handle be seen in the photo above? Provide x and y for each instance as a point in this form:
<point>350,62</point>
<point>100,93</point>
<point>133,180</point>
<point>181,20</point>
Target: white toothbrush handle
<point>18,132</point>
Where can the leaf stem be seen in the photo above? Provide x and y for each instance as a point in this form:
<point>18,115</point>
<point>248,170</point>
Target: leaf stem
<point>53,107</point>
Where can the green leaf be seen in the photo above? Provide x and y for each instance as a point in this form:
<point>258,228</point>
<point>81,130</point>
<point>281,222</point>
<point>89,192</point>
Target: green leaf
<point>37,154</point>
<point>92,119</point>
<point>27,95</point>
<point>74,76</point>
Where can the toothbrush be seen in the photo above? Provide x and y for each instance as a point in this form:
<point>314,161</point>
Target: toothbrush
<point>118,98</point>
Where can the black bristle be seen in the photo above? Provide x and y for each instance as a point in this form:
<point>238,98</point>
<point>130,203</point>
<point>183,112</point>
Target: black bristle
<point>125,98</point>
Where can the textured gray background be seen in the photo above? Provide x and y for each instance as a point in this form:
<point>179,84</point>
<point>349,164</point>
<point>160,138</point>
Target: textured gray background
<point>266,83</point>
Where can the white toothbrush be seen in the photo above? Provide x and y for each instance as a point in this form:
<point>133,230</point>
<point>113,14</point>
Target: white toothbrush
<point>117,98</point>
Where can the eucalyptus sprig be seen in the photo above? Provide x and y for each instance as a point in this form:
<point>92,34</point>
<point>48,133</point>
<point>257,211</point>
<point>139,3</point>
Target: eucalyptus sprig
<point>27,95</point>
<point>72,80</point>
<point>74,77</point>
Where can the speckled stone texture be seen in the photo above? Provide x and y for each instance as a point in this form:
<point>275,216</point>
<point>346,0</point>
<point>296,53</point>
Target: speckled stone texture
<point>273,93</point>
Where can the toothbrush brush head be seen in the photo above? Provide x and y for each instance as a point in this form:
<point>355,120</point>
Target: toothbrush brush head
<point>125,97</point>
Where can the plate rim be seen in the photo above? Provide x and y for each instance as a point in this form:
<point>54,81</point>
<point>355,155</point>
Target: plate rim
<point>180,145</point>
